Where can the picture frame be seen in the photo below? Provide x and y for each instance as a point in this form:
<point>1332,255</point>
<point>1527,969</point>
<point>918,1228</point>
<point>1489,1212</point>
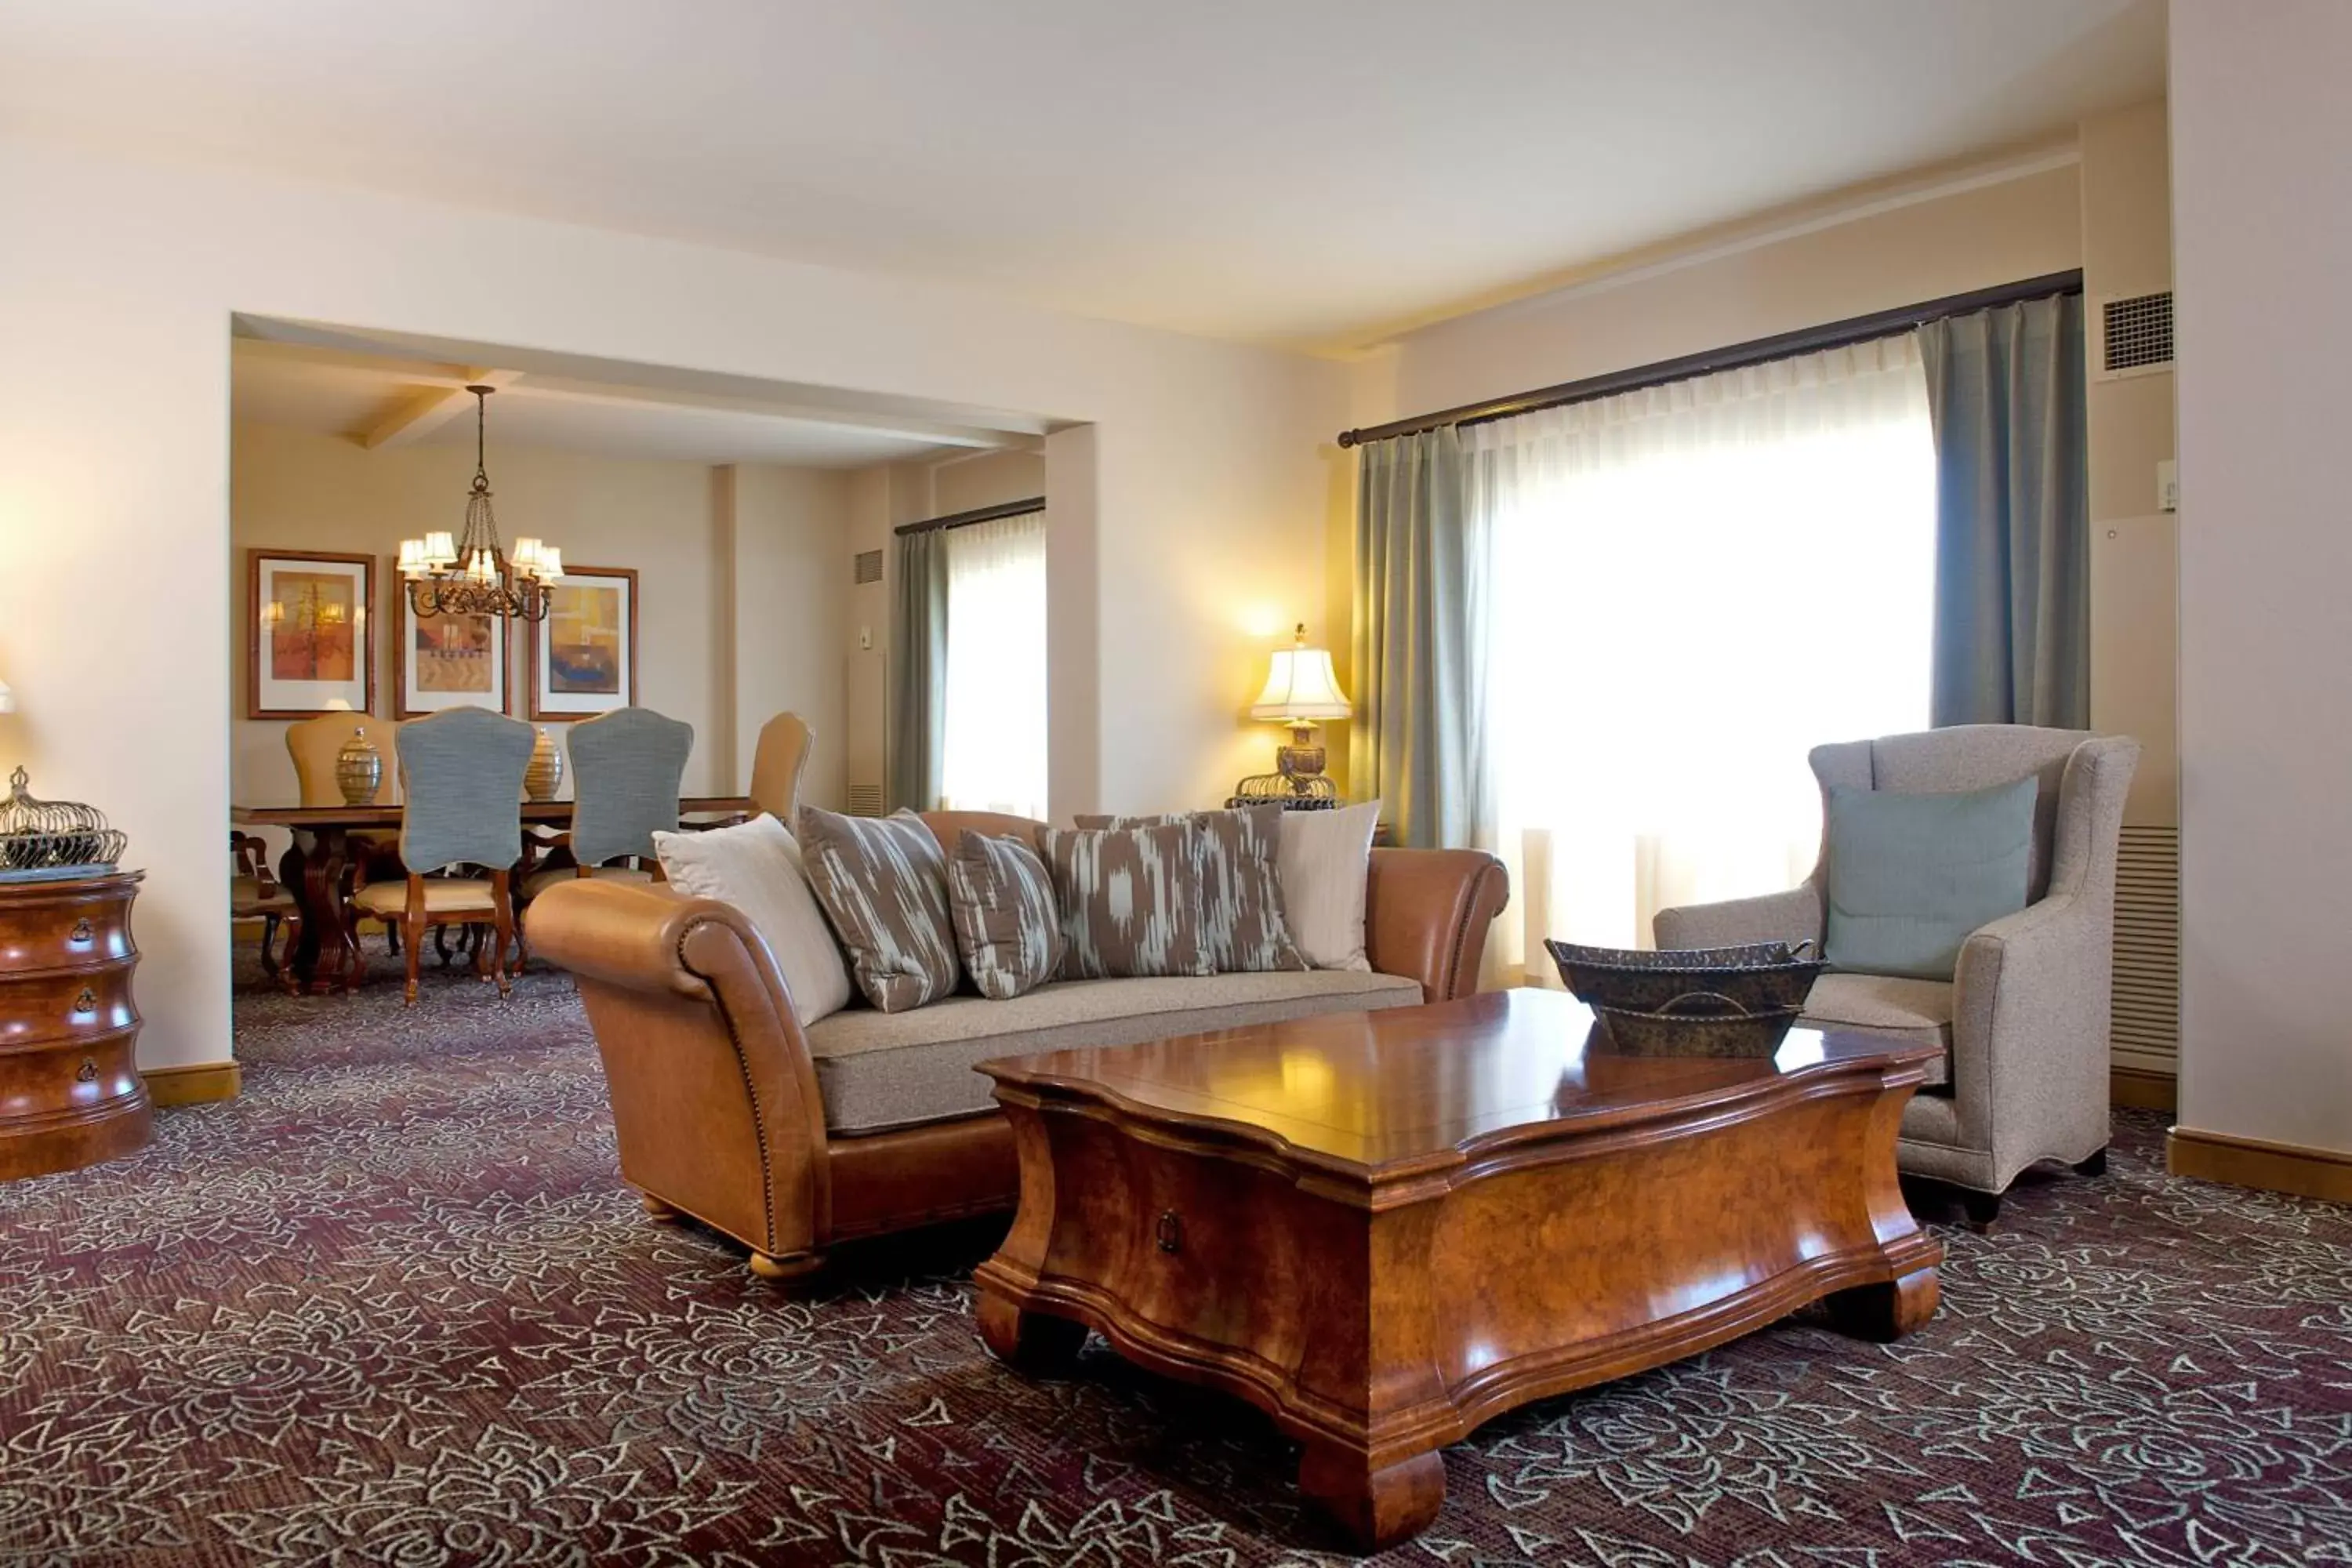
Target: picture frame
<point>584,656</point>
<point>440,662</point>
<point>310,632</point>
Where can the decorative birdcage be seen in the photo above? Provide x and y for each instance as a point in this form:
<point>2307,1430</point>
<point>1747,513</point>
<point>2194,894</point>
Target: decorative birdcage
<point>40,839</point>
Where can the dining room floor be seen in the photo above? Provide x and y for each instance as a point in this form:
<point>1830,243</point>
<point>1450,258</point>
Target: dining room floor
<point>394,1305</point>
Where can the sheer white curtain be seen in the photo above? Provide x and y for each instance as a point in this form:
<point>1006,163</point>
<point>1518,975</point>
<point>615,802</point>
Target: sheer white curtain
<point>994,751</point>
<point>1692,586</point>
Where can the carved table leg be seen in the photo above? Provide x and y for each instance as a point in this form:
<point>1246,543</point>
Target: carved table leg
<point>313,868</point>
<point>1378,1509</point>
<point>1887,1311</point>
<point>1034,1343</point>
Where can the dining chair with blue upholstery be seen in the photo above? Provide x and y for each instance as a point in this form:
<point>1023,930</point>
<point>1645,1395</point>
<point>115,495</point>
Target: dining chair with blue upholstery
<point>461,809</point>
<point>627,767</point>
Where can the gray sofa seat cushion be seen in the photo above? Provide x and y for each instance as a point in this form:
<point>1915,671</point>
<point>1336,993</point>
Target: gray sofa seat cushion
<point>879,1070</point>
<point>1886,1005</point>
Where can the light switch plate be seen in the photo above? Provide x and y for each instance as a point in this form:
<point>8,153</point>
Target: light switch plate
<point>865,639</point>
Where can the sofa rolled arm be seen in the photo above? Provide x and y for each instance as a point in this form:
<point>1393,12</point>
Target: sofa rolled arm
<point>1426,913</point>
<point>715,1101</point>
<point>1792,917</point>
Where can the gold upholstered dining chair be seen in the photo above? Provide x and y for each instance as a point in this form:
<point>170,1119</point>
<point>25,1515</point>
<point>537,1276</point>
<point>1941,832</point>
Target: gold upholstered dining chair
<point>778,762</point>
<point>461,783</point>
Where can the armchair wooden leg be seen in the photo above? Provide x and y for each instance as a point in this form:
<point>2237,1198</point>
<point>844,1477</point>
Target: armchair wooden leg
<point>441,944</point>
<point>1981,1210</point>
<point>268,947</point>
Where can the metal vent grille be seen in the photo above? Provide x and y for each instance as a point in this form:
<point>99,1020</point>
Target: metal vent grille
<point>2136,333</point>
<point>2147,1028</point>
<point>866,800</point>
<point>868,566</point>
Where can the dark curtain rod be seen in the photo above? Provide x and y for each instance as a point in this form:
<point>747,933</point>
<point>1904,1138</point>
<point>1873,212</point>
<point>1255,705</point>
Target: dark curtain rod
<point>1785,345</point>
<point>978,514</point>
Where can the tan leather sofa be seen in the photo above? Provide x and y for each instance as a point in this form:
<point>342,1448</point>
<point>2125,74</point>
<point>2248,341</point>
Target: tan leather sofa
<point>792,1138</point>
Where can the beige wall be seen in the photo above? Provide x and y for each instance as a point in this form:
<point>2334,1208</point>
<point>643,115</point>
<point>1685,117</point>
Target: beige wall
<point>736,573</point>
<point>789,579</point>
<point>967,484</point>
<point>2128,249</point>
<point>1206,492</point>
<point>1969,238</point>
<point>2262,247</point>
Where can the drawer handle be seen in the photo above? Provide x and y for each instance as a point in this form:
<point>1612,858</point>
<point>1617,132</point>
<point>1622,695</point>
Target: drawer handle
<point>1172,1232</point>
<point>86,1002</point>
<point>82,932</point>
<point>87,1073</point>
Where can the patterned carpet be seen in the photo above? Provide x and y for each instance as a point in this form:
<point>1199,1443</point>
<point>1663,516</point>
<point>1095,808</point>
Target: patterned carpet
<point>394,1307</point>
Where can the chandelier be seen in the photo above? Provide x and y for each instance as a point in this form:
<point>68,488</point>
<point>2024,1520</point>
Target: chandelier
<point>472,575</point>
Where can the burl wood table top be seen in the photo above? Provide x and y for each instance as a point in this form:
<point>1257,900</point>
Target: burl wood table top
<point>1386,1094</point>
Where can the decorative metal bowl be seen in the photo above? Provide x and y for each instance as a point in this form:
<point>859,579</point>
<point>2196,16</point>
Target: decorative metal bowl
<point>40,839</point>
<point>1758,978</point>
<point>1697,1024</point>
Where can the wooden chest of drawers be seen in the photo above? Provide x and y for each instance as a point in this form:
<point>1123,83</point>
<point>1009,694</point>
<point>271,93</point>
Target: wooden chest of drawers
<point>69,1088</point>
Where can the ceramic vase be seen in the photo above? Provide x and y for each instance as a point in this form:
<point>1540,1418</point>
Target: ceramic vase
<point>545,774</point>
<point>359,769</point>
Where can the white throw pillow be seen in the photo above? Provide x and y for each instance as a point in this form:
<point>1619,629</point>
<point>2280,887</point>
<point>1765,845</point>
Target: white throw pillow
<point>1323,860</point>
<point>756,867</point>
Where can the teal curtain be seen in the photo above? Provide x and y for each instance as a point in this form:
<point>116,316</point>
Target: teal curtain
<point>2012,638</point>
<point>918,672</point>
<point>1417,740</point>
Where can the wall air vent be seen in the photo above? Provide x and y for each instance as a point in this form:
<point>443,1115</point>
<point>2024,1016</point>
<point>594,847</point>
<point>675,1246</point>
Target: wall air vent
<point>868,566</point>
<point>2135,335</point>
<point>866,800</point>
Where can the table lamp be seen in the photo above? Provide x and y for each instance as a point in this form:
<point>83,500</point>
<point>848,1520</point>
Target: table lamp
<point>7,698</point>
<point>1301,689</point>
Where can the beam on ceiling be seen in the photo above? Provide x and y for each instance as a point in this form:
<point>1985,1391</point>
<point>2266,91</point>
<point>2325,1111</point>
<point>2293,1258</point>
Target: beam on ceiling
<point>416,417</point>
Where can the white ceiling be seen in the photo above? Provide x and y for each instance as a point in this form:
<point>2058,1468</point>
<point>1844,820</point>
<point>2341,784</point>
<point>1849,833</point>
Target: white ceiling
<point>338,393</point>
<point>1304,171</point>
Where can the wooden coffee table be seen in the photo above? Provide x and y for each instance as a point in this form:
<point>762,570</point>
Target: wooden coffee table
<point>1385,1228</point>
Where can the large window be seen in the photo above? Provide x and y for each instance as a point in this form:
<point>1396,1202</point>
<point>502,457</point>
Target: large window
<point>993,754</point>
<point>1691,586</point>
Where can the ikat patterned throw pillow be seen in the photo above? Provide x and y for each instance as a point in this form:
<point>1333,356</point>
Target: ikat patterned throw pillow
<point>883,885</point>
<point>1243,927</point>
<point>1129,901</point>
<point>1001,899</point>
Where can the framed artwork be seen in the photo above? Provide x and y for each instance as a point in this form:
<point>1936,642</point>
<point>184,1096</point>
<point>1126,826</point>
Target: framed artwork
<point>446,661</point>
<point>584,656</point>
<point>311,636</point>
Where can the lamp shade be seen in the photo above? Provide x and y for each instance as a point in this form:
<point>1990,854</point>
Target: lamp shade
<point>7,698</point>
<point>1301,686</point>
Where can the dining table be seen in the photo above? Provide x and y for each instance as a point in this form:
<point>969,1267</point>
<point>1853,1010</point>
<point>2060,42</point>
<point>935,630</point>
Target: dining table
<point>326,953</point>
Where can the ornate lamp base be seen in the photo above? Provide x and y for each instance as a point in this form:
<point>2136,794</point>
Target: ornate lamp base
<point>1298,781</point>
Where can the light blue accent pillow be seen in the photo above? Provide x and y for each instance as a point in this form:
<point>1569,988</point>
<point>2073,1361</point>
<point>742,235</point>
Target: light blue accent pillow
<point>1911,876</point>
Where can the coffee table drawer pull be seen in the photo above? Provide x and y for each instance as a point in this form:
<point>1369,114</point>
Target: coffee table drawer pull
<point>1172,1232</point>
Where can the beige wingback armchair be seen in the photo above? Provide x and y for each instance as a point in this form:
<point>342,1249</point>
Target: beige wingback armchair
<point>2023,1023</point>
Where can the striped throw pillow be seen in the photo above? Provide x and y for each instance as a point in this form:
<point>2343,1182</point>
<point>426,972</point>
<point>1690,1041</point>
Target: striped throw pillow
<point>883,885</point>
<point>1002,899</point>
<point>1242,922</point>
<point>1129,901</point>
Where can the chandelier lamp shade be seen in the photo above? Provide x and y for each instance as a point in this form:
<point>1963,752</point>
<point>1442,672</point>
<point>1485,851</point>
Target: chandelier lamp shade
<point>471,573</point>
